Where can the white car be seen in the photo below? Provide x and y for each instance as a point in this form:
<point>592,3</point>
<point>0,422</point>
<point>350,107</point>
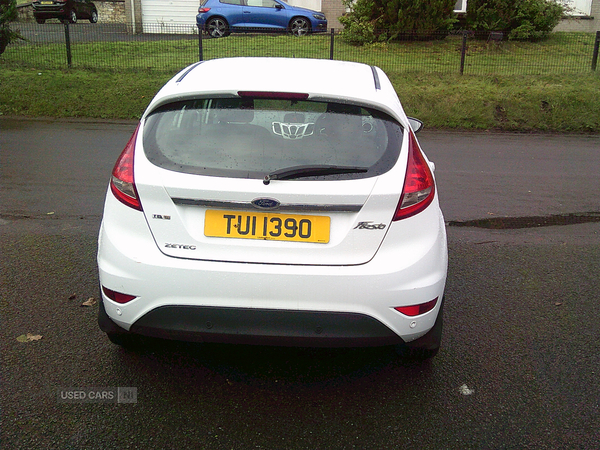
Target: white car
<point>275,201</point>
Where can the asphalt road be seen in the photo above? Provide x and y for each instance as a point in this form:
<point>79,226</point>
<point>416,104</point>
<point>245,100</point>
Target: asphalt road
<point>519,367</point>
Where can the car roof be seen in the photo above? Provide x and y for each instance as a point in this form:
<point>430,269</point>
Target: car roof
<point>320,78</point>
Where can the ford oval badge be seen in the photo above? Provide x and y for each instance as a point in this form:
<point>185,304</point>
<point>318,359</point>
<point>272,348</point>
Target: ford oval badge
<point>265,203</point>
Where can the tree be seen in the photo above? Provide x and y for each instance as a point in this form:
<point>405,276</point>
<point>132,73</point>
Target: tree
<point>382,20</point>
<point>8,13</point>
<point>521,19</point>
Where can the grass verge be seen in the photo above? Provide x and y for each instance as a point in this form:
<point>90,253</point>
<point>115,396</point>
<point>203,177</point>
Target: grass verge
<point>558,103</point>
<point>76,93</point>
<point>565,103</point>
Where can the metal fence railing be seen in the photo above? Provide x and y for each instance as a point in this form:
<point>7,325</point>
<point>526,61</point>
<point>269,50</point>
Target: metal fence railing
<point>169,48</point>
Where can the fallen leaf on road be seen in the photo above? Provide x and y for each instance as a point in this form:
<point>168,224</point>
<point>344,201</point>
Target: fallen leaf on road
<point>72,296</point>
<point>90,302</point>
<point>29,337</point>
<point>464,390</point>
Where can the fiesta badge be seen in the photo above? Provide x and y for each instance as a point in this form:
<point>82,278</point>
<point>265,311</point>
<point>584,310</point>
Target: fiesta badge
<point>265,203</point>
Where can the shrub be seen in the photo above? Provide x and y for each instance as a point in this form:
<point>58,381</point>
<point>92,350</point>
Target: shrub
<point>359,28</point>
<point>8,13</point>
<point>521,19</point>
<point>381,20</point>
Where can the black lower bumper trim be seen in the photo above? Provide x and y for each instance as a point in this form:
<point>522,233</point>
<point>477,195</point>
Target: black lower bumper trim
<point>265,327</point>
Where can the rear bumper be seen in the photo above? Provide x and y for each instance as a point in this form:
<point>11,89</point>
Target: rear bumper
<point>264,327</point>
<point>278,304</point>
<point>51,13</point>
<point>201,20</point>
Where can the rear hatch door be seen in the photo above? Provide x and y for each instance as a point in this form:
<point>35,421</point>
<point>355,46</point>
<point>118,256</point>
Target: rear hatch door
<point>220,207</point>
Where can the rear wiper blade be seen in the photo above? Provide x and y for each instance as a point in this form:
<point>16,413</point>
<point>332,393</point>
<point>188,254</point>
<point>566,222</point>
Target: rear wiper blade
<point>311,171</point>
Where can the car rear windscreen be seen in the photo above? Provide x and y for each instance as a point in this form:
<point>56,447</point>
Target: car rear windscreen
<point>250,137</point>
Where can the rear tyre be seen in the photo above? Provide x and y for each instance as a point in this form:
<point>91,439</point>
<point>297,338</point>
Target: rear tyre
<point>94,17</point>
<point>299,26</point>
<point>427,346</point>
<point>217,27</point>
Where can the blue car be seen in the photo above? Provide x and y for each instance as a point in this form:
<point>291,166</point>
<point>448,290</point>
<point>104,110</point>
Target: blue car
<point>221,17</point>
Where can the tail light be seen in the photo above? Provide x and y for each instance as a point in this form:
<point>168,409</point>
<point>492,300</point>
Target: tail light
<point>203,10</point>
<point>419,187</point>
<point>118,297</point>
<point>416,310</point>
<point>122,183</point>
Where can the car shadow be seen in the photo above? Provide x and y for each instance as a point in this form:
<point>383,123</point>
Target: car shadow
<point>267,366</point>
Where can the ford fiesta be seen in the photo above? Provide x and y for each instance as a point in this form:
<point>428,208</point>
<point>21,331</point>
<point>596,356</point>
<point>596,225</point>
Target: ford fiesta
<point>290,209</point>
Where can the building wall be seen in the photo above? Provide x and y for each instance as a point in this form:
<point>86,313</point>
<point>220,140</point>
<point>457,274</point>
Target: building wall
<point>109,11</point>
<point>333,9</point>
<point>25,12</point>
<point>133,11</point>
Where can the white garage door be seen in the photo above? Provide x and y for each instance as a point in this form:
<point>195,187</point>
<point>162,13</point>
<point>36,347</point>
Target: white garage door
<point>169,16</point>
<point>578,7</point>
<point>310,4</point>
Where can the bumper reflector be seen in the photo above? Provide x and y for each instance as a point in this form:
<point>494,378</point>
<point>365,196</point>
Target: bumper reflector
<point>118,297</point>
<point>416,310</point>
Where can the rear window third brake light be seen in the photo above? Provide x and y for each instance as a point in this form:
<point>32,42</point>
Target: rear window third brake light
<point>277,95</point>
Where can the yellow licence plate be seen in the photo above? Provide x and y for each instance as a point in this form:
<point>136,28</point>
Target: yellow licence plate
<point>267,226</point>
